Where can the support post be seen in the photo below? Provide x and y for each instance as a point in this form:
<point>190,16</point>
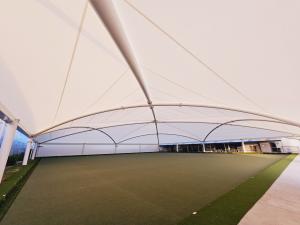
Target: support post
<point>259,148</point>
<point>177,148</point>
<point>34,151</point>
<point>26,153</point>
<point>6,145</point>
<point>203,146</point>
<point>2,128</point>
<point>243,146</point>
<point>116,148</point>
<point>82,150</point>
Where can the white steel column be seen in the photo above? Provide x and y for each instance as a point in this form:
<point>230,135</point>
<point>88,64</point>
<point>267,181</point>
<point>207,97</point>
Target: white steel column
<point>243,146</point>
<point>109,15</point>
<point>203,145</point>
<point>2,128</point>
<point>82,150</point>
<point>177,148</point>
<point>116,148</point>
<point>34,151</point>
<point>26,153</point>
<point>6,145</point>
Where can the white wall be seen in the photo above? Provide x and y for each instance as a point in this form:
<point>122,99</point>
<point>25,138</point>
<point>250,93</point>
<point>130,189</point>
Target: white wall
<point>75,150</point>
<point>265,147</point>
<point>250,148</point>
<point>290,145</point>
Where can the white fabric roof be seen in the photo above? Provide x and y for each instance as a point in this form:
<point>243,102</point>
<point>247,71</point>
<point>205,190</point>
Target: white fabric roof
<point>59,61</point>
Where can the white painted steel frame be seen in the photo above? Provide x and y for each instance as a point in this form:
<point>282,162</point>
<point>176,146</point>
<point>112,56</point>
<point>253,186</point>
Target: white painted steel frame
<point>88,129</point>
<point>278,119</point>
<point>269,119</point>
<point>6,145</point>
<point>109,15</point>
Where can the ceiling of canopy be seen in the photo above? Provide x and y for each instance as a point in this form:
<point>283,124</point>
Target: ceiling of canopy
<point>206,65</point>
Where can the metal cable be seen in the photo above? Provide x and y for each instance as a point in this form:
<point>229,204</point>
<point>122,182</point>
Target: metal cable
<point>183,87</point>
<point>72,58</point>
<point>193,55</point>
<point>106,91</point>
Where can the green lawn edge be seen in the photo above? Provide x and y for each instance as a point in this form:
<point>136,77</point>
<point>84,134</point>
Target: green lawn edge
<point>232,206</point>
<point>10,188</point>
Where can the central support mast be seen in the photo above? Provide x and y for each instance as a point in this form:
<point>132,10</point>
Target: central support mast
<point>107,11</point>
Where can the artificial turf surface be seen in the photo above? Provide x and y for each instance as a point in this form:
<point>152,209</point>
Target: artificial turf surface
<point>13,180</point>
<point>131,189</point>
<point>230,208</point>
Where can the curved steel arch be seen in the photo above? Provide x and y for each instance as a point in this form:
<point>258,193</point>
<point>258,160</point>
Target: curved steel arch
<point>146,122</point>
<point>246,138</point>
<point>118,125</point>
<point>149,122</point>
<point>292,123</point>
<point>87,115</point>
<point>143,135</point>
<point>240,120</point>
<point>89,129</point>
<point>238,125</point>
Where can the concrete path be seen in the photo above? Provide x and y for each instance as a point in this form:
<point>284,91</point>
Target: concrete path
<point>280,205</point>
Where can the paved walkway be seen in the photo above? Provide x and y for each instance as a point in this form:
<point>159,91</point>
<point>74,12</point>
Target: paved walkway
<point>280,205</point>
